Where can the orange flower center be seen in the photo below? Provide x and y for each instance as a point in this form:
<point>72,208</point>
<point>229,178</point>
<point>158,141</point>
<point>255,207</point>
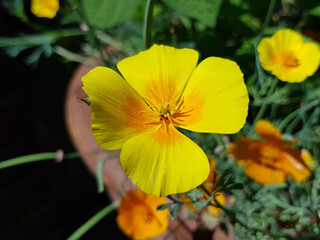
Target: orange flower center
<point>287,59</point>
<point>270,155</point>
<point>169,113</point>
<point>291,62</point>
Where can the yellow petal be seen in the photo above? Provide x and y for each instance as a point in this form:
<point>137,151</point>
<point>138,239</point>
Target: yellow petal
<point>160,73</point>
<point>263,174</point>
<point>118,113</point>
<point>287,39</point>
<point>216,97</point>
<point>45,8</point>
<point>164,162</point>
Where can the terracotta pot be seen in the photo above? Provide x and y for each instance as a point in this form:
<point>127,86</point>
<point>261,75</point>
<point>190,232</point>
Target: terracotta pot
<point>77,117</point>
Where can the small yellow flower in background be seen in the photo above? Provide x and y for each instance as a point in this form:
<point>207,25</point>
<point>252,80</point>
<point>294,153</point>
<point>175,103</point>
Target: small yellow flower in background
<point>138,217</point>
<point>164,89</point>
<point>45,8</point>
<point>271,160</point>
<point>288,57</point>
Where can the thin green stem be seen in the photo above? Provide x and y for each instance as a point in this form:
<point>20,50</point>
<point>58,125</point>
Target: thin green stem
<point>205,189</point>
<point>264,105</point>
<point>70,55</point>
<point>296,113</point>
<point>99,176</point>
<point>148,16</point>
<point>91,34</point>
<point>40,157</point>
<point>219,140</point>
<point>268,17</point>
<point>28,159</point>
<point>93,221</point>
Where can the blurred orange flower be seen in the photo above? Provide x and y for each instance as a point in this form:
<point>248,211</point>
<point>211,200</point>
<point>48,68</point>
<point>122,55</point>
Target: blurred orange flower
<point>138,217</point>
<point>45,8</point>
<point>271,160</point>
<point>208,184</point>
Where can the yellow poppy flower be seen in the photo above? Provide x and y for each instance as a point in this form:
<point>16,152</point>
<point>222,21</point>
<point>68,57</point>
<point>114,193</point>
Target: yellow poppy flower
<point>288,57</point>
<point>270,161</point>
<point>164,89</point>
<point>138,217</point>
<point>45,8</point>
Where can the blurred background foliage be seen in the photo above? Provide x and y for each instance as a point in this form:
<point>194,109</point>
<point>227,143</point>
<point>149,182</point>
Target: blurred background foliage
<point>113,29</point>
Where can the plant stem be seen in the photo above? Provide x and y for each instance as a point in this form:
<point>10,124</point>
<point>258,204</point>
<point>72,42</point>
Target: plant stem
<point>267,18</point>
<point>31,158</point>
<point>296,113</point>
<point>147,37</point>
<point>99,176</point>
<point>70,55</point>
<point>93,221</point>
<point>39,157</point>
<point>263,106</point>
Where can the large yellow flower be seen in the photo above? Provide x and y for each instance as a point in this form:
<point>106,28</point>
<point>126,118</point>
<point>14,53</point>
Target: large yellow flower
<point>288,57</point>
<point>164,90</point>
<point>270,161</point>
<point>138,217</point>
<point>45,8</point>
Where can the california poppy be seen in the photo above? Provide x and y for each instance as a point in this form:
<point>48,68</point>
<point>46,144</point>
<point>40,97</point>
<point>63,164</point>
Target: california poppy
<point>271,160</point>
<point>163,89</point>
<point>288,57</point>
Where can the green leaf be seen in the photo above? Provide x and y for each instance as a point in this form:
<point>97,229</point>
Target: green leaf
<point>108,13</point>
<point>16,8</point>
<point>174,210</point>
<point>195,194</point>
<point>32,40</point>
<point>205,11</point>
<point>164,206</point>
<point>201,204</point>
<point>315,11</point>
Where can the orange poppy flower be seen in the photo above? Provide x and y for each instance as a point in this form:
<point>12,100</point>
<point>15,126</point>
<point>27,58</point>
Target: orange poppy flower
<point>272,159</point>
<point>138,217</point>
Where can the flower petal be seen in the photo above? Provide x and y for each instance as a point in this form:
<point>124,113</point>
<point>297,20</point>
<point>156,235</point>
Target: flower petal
<point>216,98</point>
<point>309,56</point>
<point>287,39</point>
<point>138,217</point>
<point>164,162</point>
<point>268,131</point>
<point>118,113</point>
<point>160,73</point>
<point>295,164</point>
<point>263,174</point>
